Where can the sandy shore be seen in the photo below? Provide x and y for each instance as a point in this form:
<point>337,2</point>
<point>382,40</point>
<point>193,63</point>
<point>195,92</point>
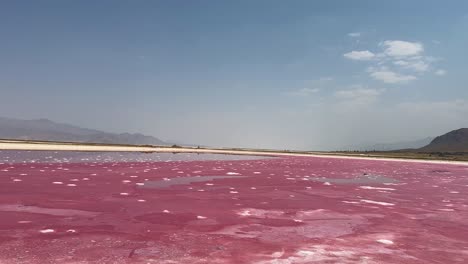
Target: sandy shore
<point>18,145</point>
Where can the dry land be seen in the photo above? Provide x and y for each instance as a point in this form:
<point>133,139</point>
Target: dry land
<point>452,158</point>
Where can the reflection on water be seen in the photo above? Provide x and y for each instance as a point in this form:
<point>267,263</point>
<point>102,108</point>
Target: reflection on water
<point>362,179</point>
<point>183,181</point>
<point>9,156</point>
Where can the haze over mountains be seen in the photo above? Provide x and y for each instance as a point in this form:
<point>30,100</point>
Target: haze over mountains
<point>44,129</point>
<point>412,144</point>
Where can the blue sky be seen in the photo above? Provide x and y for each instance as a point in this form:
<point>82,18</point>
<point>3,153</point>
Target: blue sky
<point>279,74</point>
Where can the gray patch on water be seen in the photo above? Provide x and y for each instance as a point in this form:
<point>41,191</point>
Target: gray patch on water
<point>26,156</point>
<point>184,181</point>
<point>362,179</point>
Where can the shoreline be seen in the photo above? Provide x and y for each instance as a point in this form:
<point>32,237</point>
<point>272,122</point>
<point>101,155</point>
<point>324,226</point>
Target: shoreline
<point>59,146</point>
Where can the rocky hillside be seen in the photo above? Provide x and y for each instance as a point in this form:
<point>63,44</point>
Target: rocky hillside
<point>453,141</point>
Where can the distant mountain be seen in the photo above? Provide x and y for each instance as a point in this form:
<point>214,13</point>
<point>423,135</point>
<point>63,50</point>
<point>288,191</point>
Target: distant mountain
<point>44,129</point>
<point>414,144</point>
<point>453,141</point>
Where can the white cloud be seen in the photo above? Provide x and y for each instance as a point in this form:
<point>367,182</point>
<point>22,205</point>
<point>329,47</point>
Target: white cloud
<point>304,92</point>
<point>440,72</point>
<point>399,48</point>
<point>358,95</point>
<point>354,34</point>
<point>310,86</point>
<point>401,63</point>
<point>359,55</point>
<point>415,65</point>
<point>398,61</point>
<point>391,77</point>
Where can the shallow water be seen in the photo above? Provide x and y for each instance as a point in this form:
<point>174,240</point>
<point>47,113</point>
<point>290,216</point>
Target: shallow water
<point>9,156</point>
<point>183,181</point>
<point>363,179</point>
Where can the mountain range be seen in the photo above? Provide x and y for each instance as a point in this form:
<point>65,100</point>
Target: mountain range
<point>44,129</point>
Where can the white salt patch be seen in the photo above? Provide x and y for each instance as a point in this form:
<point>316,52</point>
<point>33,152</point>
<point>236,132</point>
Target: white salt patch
<point>23,174</point>
<point>24,222</point>
<point>446,210</point>
<point>244,213</point>
<point>71,231</point>
<point>454,192</point>
<point>46,231</point>
<point>376,188</point>
<point>201,217</point>
<point>123,193</point>
<point>140,183</point>
<point>375,202</point>
<point>126,181</point>
<point>304,253</point>
<point>209,184</point>
<point>17,180</point>
<point>166,211</point>
<point>141,201</point>
<point>277,254</point>
<point>385,241</point>
<point>326,183</point>
<point>233,192</point>
<point>297,220</point>
<point>57,182</point>
<point>166,179</point>
<point>253,188</point>
<point>85,179</point>
<point>232,173</point>
<point>71,185</point>
<point>133,176</point>
<point>257,172</point>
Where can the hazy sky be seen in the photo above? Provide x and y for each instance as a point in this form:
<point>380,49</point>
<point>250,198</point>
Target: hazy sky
<point>277,74</point>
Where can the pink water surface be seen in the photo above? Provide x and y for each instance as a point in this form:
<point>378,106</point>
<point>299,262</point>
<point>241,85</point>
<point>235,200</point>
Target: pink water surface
<point>279,210</point>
